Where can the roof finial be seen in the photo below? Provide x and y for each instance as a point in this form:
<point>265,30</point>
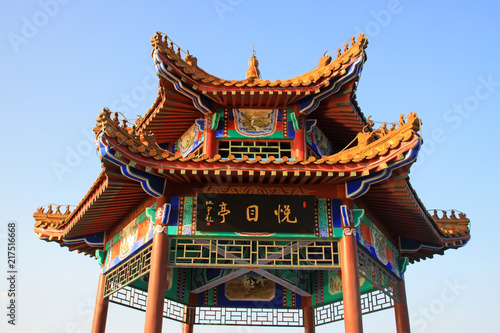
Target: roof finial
<point>253,71</point>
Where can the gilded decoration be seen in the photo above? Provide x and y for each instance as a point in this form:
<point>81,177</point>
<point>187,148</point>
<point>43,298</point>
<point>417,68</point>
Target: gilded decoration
<point>372,143</point>
<point>255,123</point>
<point>50,217</point>
<point>143,143</point>
<point>191,139</point>
<point>452,225</point>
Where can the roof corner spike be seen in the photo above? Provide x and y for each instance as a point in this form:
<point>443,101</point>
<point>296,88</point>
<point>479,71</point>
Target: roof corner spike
<point>253,71</point>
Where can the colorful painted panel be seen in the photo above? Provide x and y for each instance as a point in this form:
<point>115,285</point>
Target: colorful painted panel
<point>329,220</point>
<point>378,245</point>
<point>232,287</point>
<point>250,287</point>
<point>177,284</point>
<point>248,290</point>
<point>318,142</point>
<point>130,239</point>
<point>254,123</point>
<point>191,140</point>
<point>331,286</point>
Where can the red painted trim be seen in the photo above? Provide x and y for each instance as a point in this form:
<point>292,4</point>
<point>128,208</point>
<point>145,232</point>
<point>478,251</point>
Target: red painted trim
<point>210,145</point>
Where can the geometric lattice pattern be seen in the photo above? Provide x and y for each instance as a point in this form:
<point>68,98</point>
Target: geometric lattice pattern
<point>375,301</point>
<point>131,297</point>
<point>264,149</point>
<point>329,313</point>
<point>128,272</point>
<point>370,302</point>
<point>207,315</point>
<point>174,310</point>
<point>136,298</point>
<point>377,275</point>
<point>248,316</point>
<point>265,253</point>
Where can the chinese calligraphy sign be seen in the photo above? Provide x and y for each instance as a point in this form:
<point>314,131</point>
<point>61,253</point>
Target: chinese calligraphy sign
<point>255,213</point>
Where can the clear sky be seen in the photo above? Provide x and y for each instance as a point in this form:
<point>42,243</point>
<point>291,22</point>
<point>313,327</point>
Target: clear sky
<point>62,61</point>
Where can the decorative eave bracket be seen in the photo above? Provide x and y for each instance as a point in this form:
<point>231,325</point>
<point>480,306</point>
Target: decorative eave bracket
<point>408,246</point>
<point>201,102</point>
<point>153,185</point>
<point>93,240</point>
<point>311,103</point>
<point>358,187</point>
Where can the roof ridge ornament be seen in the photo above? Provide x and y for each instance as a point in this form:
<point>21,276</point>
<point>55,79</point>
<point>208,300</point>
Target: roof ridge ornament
<point>253,71</point>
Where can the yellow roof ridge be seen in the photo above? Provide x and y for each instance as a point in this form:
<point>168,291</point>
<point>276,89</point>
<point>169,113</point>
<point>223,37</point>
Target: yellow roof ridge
<point>327,66</point>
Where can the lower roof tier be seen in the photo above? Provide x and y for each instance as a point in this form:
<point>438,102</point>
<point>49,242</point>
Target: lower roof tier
<point>372,174</point>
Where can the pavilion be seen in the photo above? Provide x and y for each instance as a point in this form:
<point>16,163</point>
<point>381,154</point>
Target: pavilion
<point>254,202</point>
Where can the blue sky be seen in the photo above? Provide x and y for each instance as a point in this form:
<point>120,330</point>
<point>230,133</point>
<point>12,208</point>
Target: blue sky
<point>62,61</point>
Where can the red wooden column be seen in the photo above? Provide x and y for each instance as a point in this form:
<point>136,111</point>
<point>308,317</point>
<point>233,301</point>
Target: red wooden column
<point>210,146</point>
<point>188,327</point>
<point>101,308</point>
<point>157,273</point>
<point>308,315</point>
<point>350,282</point>
<point>401,310</point>
<point>299,143</point>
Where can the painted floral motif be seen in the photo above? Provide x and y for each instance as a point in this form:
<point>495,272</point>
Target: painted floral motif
<point>380,244</point>
<point>322,143</point>
<point>335,281</point>
<point>128,237</point>
<point>251,122</point>
<point>190,140</point>
<point>250,287</point>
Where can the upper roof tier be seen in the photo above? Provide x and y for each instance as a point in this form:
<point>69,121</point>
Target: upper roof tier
<point>181,69</point>
<point>186,91</point>
<point>326,69</point>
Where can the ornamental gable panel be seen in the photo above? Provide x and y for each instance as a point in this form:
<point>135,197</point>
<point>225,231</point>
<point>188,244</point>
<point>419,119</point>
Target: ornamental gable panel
<point>255,124</point>
<point>191,140</point>
<point>318,142</point>
<point>377,244</point>
<point>130,239</point>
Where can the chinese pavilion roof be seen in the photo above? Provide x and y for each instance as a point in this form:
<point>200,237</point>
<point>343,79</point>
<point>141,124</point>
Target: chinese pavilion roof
<point>375,171</point>
<point>187,91</point>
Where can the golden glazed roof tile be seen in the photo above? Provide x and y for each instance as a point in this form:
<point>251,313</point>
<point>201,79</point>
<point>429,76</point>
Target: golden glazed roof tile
<point>453,225</point>
<point>327,66</point>
<point>371,144</point>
